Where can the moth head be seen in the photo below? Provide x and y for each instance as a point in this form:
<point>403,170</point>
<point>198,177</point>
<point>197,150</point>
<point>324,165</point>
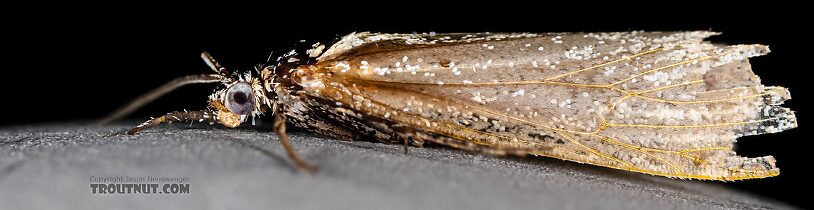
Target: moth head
<point>241,97</point>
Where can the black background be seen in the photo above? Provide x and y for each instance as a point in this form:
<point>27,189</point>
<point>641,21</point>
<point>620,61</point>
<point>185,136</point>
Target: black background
<point>67,64</point>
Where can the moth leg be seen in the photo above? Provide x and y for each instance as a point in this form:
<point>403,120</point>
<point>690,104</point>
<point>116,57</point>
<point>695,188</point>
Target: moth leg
<point>158,92</point>
<point>406,141</point>
<point>405,133</point>
<point>279,127</point>
<point>192,116</point>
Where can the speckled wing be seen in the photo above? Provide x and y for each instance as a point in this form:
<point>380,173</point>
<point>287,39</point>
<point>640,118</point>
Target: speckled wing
<point>661,103</point>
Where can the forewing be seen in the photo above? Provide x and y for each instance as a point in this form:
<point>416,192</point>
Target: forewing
<point>664,103</point>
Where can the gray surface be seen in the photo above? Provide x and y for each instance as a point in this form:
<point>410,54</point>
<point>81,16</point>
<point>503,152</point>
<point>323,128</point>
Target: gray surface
<point>49,166</point>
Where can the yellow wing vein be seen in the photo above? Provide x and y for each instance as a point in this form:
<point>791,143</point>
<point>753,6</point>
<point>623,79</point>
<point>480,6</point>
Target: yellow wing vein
<point>692,126</point>
<point>605,64</point>
<point>594,151</point>
<point>701,101</point>
<point>646,150</point>
<point>670,86</point>
<point>659,69</point>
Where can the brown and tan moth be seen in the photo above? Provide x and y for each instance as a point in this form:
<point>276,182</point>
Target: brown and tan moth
<point>660,103</point>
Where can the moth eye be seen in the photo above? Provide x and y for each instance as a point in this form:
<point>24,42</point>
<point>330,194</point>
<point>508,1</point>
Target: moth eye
<point>240,99</point>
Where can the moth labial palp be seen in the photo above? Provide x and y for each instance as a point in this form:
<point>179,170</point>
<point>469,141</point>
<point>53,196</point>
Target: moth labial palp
<point>660,103</point>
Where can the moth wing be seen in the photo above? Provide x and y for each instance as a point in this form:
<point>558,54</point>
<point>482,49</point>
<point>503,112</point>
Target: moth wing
<point>365,43</point>
<point>662,103</point>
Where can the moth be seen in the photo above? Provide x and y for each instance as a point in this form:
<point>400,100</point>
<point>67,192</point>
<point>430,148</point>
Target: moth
<point>661,103</point>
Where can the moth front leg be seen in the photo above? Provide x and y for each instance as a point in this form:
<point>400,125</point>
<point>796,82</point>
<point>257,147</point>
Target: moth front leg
<point>194,116</point>
<point>279,127</point>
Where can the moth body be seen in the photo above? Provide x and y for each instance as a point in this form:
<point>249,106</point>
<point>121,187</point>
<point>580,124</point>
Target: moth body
<point>660,103</point>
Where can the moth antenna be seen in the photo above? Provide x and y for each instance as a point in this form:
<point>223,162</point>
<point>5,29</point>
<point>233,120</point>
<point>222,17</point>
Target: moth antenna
<point>158,92</point>
<point>269,58</point>
<point>213,64</point>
